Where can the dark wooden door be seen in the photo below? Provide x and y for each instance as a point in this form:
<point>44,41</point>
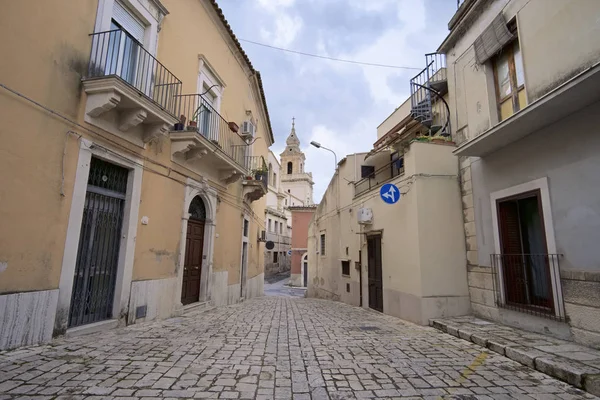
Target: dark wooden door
<point>526,271</point>
<point>375,274</point>
<point>192,267</point>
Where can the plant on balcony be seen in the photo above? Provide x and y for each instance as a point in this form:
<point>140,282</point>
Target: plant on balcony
<point>179,125</point>
<point>260,173</point>
<point>234,127</point>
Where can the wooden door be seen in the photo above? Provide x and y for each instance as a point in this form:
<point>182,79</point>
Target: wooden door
<point>192,267</point>
<point>525,265</point>
<point>375,273</point>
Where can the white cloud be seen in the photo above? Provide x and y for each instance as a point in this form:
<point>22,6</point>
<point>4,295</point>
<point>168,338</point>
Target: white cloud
<point>274,5</point>
<point>394,47</point>
<point>286,26</point>
<point>308,86</point>
<point>284,32</point>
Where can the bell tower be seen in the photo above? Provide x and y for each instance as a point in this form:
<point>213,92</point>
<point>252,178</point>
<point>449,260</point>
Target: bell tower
<point>294,180</point>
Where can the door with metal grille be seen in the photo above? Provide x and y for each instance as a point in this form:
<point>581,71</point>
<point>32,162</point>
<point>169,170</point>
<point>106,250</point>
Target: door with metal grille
<point>99,243</point>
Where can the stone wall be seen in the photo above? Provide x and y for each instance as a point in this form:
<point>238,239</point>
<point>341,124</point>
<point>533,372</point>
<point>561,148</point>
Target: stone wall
<point>581,293</point>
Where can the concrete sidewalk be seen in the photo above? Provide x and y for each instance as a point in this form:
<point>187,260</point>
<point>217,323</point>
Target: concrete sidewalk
<point>570,362</point>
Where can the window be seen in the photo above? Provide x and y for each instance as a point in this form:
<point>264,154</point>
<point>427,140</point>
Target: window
<point>397,164</point>
<point>346,268</point>
<point>274,179</point>
<point>269,224</point>
<point>289,168</point>
<point>286,202</point>
<point>276,226</point>
<point>275,257</point>
<point>271,174</point>
<point>281,228</point>
<point>206,122</point>
<point>322,244</point>
<point>509,80</point>
<point>245,228</point>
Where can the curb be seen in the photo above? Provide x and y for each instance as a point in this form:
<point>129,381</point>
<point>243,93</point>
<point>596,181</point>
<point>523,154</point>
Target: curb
<point>572,372</point>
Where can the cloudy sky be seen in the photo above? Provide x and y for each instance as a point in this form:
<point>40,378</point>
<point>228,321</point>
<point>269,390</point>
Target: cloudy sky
<point>336,104</point>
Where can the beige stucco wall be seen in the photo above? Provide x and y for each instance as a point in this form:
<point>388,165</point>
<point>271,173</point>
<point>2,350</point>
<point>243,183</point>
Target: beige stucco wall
<point>418,282</point>
<point>557,40</point>
<point>32,210</point>
<point>394,119</point>
<point>37,152</point>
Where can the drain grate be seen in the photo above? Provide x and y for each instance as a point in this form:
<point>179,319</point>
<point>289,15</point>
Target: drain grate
<point>369,328</point>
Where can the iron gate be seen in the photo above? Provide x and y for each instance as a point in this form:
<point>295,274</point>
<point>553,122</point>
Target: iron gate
<point>99,242</point>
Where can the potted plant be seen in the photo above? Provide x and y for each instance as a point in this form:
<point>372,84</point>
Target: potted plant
<point>234,127</point>
<point>259,173</point>
<point>179,125</point>
<point>193,124</point>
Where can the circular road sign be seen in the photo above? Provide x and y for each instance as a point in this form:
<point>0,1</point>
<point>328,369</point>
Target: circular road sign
<point>389,193</point>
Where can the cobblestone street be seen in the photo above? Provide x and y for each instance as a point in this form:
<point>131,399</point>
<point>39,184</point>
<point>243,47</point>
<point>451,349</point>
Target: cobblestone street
<point>271,347</point>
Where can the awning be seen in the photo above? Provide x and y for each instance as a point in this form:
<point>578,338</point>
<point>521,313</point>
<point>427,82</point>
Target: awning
<point>493,38</point>
<point>566,99</point>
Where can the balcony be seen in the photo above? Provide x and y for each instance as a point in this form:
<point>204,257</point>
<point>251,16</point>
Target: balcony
<point>428,89</point>
<point>379,177</point>
<point>256,181</point>
<point>277,238</point>
<point>202,137</point>
<point>129,92</point>
<point>529,283</point>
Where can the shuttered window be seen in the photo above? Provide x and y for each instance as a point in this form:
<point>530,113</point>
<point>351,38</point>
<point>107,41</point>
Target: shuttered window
<point>493,38</point>
<point>128,21</point>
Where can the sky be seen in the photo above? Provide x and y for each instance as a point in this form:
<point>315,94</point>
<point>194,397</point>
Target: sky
<point>336,104</point>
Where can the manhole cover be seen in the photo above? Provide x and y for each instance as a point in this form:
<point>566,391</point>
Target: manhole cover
<point>369,328</point>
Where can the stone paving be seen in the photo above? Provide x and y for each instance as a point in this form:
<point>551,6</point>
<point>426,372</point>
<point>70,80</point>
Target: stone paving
<point>272,348</point>
<point>281,288</point>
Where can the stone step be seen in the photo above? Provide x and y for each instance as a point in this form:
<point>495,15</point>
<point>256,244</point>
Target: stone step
<point>572,363</point>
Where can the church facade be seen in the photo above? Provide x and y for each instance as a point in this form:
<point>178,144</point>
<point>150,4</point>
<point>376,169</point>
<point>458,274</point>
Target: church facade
<point>297,184</point>
<point>290,187</point>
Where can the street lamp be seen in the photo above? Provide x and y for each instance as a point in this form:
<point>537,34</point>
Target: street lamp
<point>318,146</point>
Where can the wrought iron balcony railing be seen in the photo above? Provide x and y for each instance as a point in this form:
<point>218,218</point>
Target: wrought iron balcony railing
<point>427,91</point>
<point>117,53</point>
<point>197,114</point>
<point>257,169</point>
<point>529,283</point>
<point>380,176</point>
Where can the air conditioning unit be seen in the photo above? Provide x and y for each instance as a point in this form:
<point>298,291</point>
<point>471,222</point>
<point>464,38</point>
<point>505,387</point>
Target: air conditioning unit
<point>248,129</point>
<point>365,216</point>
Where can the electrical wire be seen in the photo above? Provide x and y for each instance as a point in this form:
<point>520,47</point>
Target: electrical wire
<point>411,180</point>
<point>329,58</point>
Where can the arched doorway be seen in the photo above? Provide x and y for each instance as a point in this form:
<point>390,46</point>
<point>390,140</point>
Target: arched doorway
<point>194,245</point>
<point>305,270</point>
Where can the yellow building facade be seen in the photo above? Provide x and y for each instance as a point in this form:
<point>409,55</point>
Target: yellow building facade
<point>132,165</point>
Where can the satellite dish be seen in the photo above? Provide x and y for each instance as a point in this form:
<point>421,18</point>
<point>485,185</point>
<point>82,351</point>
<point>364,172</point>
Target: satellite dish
<point>270,245</point>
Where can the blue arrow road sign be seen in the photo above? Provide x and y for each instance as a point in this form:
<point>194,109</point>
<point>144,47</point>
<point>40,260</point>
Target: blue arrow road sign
<point>389,193</point>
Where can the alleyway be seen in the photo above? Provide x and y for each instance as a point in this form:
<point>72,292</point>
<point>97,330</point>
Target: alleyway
<point>280,288</point>
<point>271,347</point>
